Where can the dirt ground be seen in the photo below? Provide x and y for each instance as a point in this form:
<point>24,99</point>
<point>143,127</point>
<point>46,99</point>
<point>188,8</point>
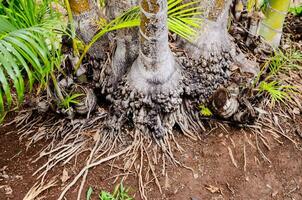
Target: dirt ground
<point>213,173</point>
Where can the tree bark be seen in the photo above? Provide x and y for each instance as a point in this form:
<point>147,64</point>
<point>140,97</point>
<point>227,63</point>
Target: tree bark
<point>213,37</point>
<point>155,66</point>
<point>150,92</point>
<point>214,41</point>
<point>126,40</point>
<point>159,91</point>
<point>86,15</point>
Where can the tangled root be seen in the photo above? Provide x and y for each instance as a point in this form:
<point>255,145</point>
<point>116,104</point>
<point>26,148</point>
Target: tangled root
<point>157,112</point>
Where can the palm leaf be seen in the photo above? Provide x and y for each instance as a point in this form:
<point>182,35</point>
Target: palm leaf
<point>27,34</point>
<point>181,20</point>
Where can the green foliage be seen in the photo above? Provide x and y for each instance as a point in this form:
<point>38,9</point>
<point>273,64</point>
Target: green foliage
<point>29,47</point>
<point>69,100</point>
<point>89,193</point>
<point>276,91</point>
<point>205,111</point>
<point>102,3</point>
<point>119,193</point>
<point>297,11</point>
<point>292,59</point>
<point>277,65</point>
<point>181,19</point>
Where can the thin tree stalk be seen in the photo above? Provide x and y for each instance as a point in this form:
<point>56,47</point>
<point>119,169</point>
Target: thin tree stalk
<point>271,26</point>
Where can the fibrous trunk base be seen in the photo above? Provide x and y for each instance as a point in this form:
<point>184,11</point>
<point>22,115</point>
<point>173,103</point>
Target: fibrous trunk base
<point>157,109</point>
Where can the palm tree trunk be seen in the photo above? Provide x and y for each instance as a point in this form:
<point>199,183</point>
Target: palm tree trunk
<point>213,37</point>
<point>155,65</point>
<point>271,26</point>
<point>86,15</point>
<point>126,40</point>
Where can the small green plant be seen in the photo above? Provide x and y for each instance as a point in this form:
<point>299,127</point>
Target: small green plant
<point>119,193</point>
<point>30,33</point>
<point>285,61</point>
<point>271,85</point>
<point>205,111</point>
<point>297,11</point>
<point>280,63</point>
<point>276,91</point>
<point>69,100</point>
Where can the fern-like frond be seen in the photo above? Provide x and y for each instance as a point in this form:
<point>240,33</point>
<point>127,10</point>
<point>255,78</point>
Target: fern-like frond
<point>285,61</point>
<point>275,91</point>
<point>29,39</point>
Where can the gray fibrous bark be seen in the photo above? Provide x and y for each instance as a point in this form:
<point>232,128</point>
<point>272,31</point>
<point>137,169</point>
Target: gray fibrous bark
<point>150,90</point>
<point>155,65</point>
<point>213,40</point>
<point>126,40</point>
<point>116,7</point>
<point>86,15</point>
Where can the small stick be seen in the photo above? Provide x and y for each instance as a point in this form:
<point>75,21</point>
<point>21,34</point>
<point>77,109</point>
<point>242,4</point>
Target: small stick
<point>232,157</point>
<point>244,155</point>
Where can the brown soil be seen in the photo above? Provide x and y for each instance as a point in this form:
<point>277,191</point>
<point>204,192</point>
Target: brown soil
<point>213,174</point>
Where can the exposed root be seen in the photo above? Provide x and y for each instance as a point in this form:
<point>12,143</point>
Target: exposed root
<point>88,163</point>
<point>90,166</point>
<point>38,189</point>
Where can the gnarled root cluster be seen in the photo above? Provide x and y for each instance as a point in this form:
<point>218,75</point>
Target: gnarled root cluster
<point>158,110</point>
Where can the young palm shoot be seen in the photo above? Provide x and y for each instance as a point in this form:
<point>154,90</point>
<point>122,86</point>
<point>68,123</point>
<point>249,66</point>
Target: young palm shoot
<point>272,25</point>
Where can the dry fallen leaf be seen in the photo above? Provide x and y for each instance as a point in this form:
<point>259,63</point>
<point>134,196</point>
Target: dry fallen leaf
<point>64,176</point>
<point>7,189</point>
<point>212,188</point>
<point>167,182</point>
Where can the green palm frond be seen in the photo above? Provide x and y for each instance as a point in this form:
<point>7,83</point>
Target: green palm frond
<point>29,41</point>
<point>285,61</point>
<point>182,20</point>
<point>297,11</point>
<point>276,91</point>
<point>69,100</point>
